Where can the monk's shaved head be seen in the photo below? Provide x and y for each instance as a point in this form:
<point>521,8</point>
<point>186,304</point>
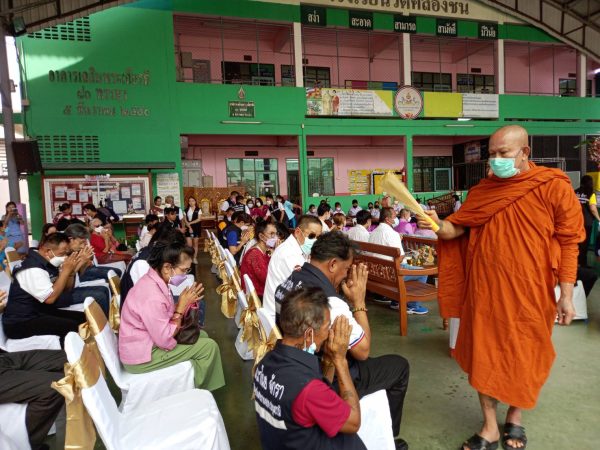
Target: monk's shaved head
<point>512,133</point>
<point>511,141</point>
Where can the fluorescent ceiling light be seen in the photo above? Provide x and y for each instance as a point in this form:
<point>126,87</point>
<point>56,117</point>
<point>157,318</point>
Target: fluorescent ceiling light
<point>464,119</point>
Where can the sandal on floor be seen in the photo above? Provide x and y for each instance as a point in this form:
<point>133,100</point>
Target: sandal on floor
<point>516,433</point>
<point>477,442</point>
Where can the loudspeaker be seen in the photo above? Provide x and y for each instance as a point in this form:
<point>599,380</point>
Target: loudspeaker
<point>27,157</point>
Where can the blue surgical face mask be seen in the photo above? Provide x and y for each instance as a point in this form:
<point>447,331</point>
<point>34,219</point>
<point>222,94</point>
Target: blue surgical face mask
<point>504,167</point>
<point>312,348</point>
<point>307,246</point>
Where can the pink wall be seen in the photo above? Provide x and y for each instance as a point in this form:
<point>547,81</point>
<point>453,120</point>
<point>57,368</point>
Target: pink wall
<point>348,153</point>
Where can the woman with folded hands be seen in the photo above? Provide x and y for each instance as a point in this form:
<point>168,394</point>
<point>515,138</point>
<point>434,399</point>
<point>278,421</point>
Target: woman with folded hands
<point>151,321</point>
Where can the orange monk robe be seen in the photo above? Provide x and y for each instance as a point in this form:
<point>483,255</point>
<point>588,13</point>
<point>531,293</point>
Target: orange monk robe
<point>499,278</point>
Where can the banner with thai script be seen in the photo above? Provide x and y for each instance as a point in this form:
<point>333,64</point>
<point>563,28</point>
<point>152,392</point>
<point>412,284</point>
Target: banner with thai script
<point>348,102</point>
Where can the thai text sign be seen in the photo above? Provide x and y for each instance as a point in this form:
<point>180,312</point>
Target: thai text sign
<point>241,109</point>
<point>405,24</point>
<point>313,15</point>
<point>483,106</point>
<point>348,102</point>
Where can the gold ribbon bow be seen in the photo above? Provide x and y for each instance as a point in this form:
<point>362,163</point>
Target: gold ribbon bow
<point>85,373</point>
<point>221,270</point>
<point>250,329</point>
<point>253,300</point>
<point>96,321</point>
<point>114,315</point>
<point>228,291</point>
<point>266,344</point>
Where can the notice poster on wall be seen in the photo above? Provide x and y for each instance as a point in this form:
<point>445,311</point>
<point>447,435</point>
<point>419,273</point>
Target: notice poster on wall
<point>359,182</point>
<point>348,102</point>
<point>485,106</point>
<point>136,189</point>
<point>472,151</point>
<point>79,190</point>
<point>168,184</point>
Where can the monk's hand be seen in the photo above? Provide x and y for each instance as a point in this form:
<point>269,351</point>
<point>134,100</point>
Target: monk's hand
<point>565,309</point>
<point>354,286</point>
<point>425,224</point>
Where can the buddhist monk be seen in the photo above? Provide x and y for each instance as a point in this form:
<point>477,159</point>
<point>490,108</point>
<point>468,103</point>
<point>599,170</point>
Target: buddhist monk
<point>500,257</point>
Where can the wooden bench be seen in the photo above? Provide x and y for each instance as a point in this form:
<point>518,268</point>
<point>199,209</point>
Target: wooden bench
<point>386,277</point>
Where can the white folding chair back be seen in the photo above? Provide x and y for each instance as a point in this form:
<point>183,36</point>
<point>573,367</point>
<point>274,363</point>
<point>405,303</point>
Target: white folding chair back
<point>13,258</point>
<point>221,252</point>
<point>376,422</point>
<point>230,258</point>
<point>138,245</point>
<point>267,322</point>
<point>579,300</point>
<point>143,388</point>
<point>13,431</point>
<point>251,295</point>
<point>453,326</point>
<point>185,420</point>
<point>240,345</point>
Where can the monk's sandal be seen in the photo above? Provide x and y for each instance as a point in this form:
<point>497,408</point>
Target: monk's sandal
<point>515,433</point>
<point>477,442</point>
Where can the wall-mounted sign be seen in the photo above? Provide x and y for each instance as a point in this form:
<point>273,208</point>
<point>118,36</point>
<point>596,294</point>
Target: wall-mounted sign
<point>313,15</point>
<point>408,102</point>
<point>241,109</point>
<point>472,151</point>
<point>487,30</point>
<point>360,20</point>
<point>483,106</point>
<point>446,27</point>
<point>348,102</point>
<point>405,24</point>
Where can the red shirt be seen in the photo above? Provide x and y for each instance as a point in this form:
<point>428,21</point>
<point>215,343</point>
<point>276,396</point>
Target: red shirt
<point>318,404</point>
<point>256,265</point>
<point>97,242</point>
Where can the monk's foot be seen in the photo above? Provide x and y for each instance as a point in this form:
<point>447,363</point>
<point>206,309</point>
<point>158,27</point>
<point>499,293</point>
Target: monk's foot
<point>513,437</point>
<point>488,440</point>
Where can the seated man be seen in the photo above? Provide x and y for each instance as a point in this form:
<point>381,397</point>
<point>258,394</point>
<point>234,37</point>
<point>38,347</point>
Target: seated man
<point>360,231</point>
<point>292,253</point>
<point>385,234</point>
<point>79,236</point>
<point>331,268</point>
<point>295,406</point>
<point>42,284</point>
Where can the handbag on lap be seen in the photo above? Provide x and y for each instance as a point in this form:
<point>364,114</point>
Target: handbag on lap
<point>190,326</point>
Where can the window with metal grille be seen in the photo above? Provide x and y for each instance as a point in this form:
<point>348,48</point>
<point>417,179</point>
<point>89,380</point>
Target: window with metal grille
<point>77,30</point>
<point>320,176</point>
<point>69,148</point>
<point>258,175</point>
<point>432,81</point>
<point>427,175</point>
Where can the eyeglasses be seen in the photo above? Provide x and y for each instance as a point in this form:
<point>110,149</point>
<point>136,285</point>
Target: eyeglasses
<point>185,270</point>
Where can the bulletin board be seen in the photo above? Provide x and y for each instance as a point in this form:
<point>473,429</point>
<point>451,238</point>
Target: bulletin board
<point>125,194</point>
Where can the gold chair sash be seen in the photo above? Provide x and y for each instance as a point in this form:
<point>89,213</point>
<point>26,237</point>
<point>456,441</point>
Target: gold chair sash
<point>114,315</point>
<point>80,434</point>
<point>266,344</point>
<point>253,299</point>
<point>228,291</point>
<point>95,323</point>
<point>250,329</point>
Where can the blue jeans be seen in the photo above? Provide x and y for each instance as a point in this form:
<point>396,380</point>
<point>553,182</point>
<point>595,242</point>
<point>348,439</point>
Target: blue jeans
<point>78,295</point>
<point>97,273</point>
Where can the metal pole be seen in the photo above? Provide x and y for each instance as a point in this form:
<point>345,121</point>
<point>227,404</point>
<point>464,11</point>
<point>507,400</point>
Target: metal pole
<point>7,116</point>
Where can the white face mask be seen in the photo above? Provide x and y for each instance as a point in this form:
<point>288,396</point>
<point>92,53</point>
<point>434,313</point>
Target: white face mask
<point>244,227</point>
<point>396,222</point>
<point>99,229</point>
<point>57,261</point>
<point>250,205</point>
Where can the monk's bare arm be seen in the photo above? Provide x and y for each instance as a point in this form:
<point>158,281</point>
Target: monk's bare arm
<point>447,230</point>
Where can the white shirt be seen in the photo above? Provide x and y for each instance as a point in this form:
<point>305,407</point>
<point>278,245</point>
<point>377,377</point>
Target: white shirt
<point>145,239</point>
<point>375,213</point>
<point>284,260</point>
<point>190,214</point>
<point>386,235</point>
<point>138,270</point>
<point>457,205</point>
<point>325,228</point>
<point>354,211</point>
<point>339,307</point>
<point>359,233</point>
<point>225,205</point>
<point>338,211</point>
<point>36,282</point>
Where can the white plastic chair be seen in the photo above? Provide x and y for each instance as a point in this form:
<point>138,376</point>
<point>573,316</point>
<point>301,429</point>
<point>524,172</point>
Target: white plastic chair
<point>241,346</point>
<point>376,422</point>
<point>187,420</point>
<point>144,388</point>
<point>44,342</point>
<point>579,300</point>
<point>239,293</point>
<point>13,431</point>
<point>230,258</point>
<point>12,258</point>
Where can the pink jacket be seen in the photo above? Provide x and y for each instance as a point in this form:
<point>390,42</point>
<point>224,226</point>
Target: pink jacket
<point>145,320</point>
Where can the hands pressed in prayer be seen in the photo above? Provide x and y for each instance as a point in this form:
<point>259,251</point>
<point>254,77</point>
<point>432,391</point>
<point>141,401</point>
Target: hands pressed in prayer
<point>189,295</point>
<point>337,341</point>
<point>354,286</point>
